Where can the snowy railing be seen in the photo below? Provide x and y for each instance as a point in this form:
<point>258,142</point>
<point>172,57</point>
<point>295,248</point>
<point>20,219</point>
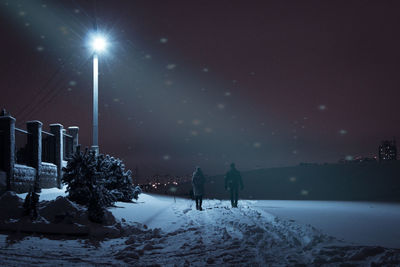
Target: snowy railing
<point>48,147</point>
<point>34,148</point>
<point>68,142</point>
<point>21,141</point>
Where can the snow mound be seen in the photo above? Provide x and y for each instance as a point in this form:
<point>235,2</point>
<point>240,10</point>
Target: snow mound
<point>10,206</point>
<point>62,210</point>
<point>60,216</point>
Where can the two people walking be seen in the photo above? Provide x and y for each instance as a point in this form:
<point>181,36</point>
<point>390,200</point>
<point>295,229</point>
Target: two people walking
<point>233,180</point>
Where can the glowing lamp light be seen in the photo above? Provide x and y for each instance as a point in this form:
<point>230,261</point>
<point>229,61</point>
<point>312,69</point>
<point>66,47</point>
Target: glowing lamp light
<point>99,44</point>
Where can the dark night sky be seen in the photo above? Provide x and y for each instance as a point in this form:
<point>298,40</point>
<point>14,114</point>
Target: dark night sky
<point>186,83</point>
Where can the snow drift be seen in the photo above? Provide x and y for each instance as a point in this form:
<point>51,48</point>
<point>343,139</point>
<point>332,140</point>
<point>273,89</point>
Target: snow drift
<point>59,216</point>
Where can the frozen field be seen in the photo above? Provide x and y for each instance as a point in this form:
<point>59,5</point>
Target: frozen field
<point>258,233</point>
<point>366,223</point>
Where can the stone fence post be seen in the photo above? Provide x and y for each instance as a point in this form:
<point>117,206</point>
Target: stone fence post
<point>7,153</point>
<point>74,132</point>
<point>57,130</point>
<point>34,146</point>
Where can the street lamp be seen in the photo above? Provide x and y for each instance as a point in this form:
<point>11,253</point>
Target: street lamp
<point>98,44</point>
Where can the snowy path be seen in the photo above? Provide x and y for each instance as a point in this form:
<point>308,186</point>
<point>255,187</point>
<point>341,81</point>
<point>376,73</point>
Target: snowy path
<point>218,235</point>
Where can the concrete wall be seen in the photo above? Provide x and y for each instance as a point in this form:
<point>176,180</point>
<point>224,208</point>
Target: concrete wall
<point>24,177</point>
<point>48,175</point>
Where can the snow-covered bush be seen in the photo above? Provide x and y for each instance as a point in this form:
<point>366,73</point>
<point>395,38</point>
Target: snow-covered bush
<point>98,182</point>
<point>80,175</point>
<point>117,180</point>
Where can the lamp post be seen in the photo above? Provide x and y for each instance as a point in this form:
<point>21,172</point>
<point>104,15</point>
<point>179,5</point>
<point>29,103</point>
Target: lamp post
<point>99,44</point>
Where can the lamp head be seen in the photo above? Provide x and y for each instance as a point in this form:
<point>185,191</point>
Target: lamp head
<point>99,43</point>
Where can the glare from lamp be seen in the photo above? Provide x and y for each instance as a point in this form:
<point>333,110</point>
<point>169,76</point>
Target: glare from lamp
<point>99,44</point>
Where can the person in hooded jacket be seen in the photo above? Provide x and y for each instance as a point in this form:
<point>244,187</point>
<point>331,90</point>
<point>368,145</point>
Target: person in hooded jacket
<point>198,181</point>
<point>233,180</point>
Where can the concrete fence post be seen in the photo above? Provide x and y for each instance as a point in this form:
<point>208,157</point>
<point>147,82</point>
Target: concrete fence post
<point>74,132</point>
<point>57,130</point>
<point>7,153</point>
<point>34,146</point>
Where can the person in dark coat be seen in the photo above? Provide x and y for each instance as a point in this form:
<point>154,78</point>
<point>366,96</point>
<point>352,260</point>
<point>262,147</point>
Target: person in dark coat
<point>233,180</point>
<point>198,181</point>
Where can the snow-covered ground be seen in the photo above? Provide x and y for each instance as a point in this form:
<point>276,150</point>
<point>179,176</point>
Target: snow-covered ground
<point>365,223</point>
<point>258,233</point>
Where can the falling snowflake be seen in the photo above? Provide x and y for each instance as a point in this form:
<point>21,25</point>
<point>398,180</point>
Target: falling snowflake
<point>220,106</point>
<point>40,48</point>
<point>227,93</point>
<point>168,82</point>
<point>304,192</point>
<point>147,56</point>
<point>322,107</point>
<point>72,83</point>
<point>295,152</point>
<point>170,66</point>
<point>116,99</point>
<point>166,157</point>
<point>63,30</point>
<point>77,11</point>
<point>205,69</point>
<point>257,144</point>
<point>342,132</point>
<point>292,179</point>
<point>163,40</point>
<point>196,122</point>
<point>22,13</point>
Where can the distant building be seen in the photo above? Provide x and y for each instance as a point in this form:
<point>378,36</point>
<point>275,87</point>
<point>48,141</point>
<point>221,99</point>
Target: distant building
<point>387,150</point>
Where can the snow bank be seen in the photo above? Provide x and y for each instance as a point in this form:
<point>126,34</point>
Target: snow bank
<point>59,216</point>
<point>10,206</point>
